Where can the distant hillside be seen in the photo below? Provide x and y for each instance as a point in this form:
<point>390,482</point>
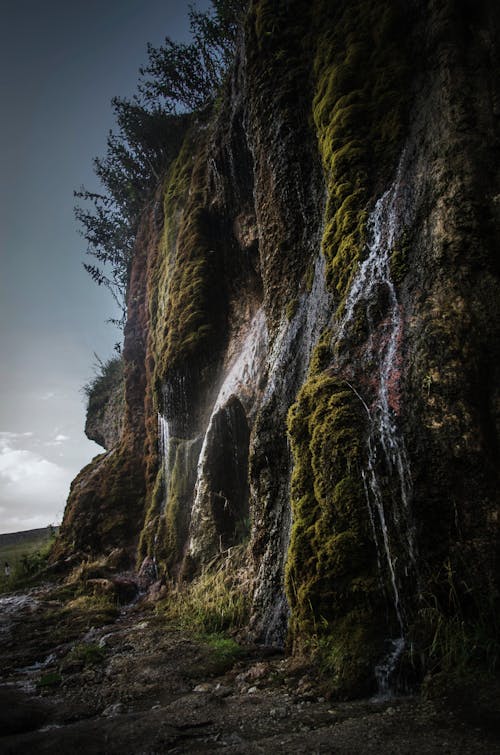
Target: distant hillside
<point>13,538</point>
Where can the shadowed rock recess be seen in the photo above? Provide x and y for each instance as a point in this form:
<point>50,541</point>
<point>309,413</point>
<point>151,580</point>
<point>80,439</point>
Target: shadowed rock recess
<point>311,356</point>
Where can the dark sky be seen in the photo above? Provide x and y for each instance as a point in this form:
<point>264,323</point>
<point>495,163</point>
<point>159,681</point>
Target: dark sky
<point>61,62</point>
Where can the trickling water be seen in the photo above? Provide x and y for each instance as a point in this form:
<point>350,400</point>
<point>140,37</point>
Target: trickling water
<point>240,381</point>
<point>289,357</point>
<point>164,441</point>
<point>287,365</point>
<point>385,669</point>
<point>385,444</point>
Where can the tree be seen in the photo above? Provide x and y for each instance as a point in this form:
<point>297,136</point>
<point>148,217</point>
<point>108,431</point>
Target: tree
<point>137,155</point>
<point>184,77</point>
<point>178,80</point>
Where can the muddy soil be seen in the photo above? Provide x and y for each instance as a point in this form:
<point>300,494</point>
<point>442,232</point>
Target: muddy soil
<point>132,684</point>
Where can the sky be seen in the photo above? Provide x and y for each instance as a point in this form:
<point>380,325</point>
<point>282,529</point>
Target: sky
<point>61,62</point>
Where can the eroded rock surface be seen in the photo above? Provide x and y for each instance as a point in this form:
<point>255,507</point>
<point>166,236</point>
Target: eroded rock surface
<point>137,686</point>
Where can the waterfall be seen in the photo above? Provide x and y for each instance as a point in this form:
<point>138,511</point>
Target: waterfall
<point>164,443</point>
<point>373,295</point>
<point>287,364</point>
<point>240,380</point>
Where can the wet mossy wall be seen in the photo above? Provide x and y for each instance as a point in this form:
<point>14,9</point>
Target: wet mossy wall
<point>187,285</point>
<point>361,92</point>
<point>359,111</point>
<point>324,98</point>
<point>332,578</point>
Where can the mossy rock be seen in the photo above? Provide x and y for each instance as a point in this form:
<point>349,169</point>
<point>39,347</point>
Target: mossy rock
<point>331,560</point>
<point>360,72</point>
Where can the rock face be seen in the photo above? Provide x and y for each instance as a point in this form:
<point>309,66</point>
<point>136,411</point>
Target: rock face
<point>106,406</point>
<point>311,353</point>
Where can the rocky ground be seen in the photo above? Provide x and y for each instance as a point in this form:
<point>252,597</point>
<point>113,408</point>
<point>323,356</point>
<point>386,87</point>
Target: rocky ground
<point>91,681</point>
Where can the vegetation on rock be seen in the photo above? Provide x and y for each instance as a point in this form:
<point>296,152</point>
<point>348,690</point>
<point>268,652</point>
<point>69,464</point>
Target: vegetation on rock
<point>228,220</point>
<point>179,79</point>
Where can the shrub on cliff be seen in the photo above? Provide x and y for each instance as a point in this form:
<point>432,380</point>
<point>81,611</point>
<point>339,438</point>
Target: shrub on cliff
<point>178,80</point>
<point>108,375</point>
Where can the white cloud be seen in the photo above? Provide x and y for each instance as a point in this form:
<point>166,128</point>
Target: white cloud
<point>21,466</point>
<point>58,440</point>
<point>32,489</point>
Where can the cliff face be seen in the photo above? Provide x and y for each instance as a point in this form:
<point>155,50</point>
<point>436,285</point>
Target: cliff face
<point>311,353</point>
<point>106,405</point>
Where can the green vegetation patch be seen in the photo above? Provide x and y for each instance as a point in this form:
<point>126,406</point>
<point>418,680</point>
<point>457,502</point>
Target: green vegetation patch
<point>331,573</point>
<point>216,601</point>
<point>109,376</point>
<point>360,74</point>
<point>185,286</point>
<point>27,557</point>
<point>50,680</point>
<point>89,654</point>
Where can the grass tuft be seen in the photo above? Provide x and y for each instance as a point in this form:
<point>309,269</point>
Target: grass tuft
<point>216,601</point>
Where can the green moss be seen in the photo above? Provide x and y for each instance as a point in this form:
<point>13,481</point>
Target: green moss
<point>184,301</point>
<point>399,257</point>
<point>359,80</point>
<point>165,532</point>
<point>146,540</point>
<point>359,104</point>
<point>105,504</point>
<point>309,278</point>
<point>345,654</point>
<point>331,566</point>
<point>291,308</point>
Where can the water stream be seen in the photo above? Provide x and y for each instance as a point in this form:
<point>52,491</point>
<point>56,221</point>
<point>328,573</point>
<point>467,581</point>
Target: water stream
<point>164,442</point>
<point>373,295</point>
<point>241,381</point>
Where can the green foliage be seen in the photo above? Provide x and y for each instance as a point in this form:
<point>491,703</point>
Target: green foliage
<point>50,680</point>
<point>180,78</point>
<point>187,76</point>
<point>27,559</point>
<point>137,155</point>
<point>33,563</point>
<point>457,630</point>
<point>108,375</point>
<point>223,653</point>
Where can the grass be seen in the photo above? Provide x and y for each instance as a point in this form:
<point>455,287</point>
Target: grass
<point>215,602</point>
<point>26,557</point>
<point>457,628</point>
<point>89,654</point>
<point>50,680</point>
<point>107,376</point>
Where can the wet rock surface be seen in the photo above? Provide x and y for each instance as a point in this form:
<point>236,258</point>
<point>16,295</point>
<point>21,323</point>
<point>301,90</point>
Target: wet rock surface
<point>136,685</point>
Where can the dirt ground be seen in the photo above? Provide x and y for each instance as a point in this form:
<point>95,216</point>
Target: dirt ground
<point>134,685</point>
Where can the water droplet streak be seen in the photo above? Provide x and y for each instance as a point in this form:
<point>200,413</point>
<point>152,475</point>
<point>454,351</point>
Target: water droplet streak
<point>390,515</point>
<point>164,442</point>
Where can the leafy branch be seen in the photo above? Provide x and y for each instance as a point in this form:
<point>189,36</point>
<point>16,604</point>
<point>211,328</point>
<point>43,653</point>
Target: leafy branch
<point>179,80</point>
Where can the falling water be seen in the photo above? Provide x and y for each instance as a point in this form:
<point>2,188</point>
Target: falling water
<point>164,442</point>
<point>385,444</point>
<point>240,380</point>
